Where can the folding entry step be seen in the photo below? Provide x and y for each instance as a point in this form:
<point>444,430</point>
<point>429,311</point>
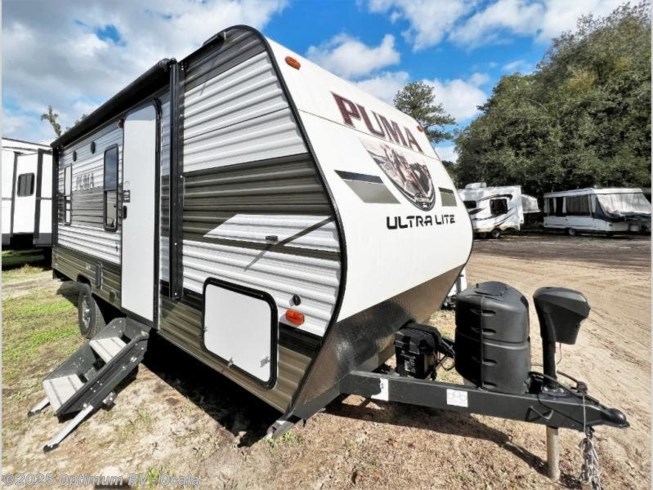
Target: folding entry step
<point>88,379</point>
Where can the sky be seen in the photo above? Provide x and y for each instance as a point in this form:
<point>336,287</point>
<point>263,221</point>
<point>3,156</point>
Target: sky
<point>76,54</point>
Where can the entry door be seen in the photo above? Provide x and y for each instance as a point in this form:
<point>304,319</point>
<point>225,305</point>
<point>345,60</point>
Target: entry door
<point>139,212</point>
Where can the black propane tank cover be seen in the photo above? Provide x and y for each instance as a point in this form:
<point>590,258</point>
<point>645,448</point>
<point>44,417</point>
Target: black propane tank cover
<point>492,341</point>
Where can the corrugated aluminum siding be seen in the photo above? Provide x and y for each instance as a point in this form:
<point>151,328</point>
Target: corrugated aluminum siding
<point>86,232</point>
<point>238,116</point>
<point>245,165</point>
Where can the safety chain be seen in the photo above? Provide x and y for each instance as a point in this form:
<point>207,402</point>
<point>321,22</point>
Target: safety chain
<point>590,472</point>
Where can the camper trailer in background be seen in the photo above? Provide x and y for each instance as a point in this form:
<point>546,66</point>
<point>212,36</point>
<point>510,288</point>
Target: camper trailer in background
<point>26,194</point>
<point>496,209</point>
<point>613,210</point>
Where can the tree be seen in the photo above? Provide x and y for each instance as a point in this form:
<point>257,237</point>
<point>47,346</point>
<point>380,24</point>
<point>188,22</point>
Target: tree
<point>52,118</point>
<point>582,118</point>
<point>418,101</point>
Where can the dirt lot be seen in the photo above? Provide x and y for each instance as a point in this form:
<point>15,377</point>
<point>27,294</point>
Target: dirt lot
<point>180,418</point>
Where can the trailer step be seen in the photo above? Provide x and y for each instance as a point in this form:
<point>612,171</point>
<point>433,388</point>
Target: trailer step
<point>107,348</point>
<point>89,378</point>
<point>59,390</point>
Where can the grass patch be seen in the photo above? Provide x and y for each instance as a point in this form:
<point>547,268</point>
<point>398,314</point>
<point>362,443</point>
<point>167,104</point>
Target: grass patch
<point>19,273</point>
<point>37,327</point>
<point>290,438</point>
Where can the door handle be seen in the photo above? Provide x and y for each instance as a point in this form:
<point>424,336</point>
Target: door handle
<point>124,212</point>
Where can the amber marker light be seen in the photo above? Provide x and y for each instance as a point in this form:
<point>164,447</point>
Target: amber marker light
<point>420,129</point>
<point>290,61</point>
<point>295,317</point>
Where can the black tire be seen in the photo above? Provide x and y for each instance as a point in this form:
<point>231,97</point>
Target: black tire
<point>482,236</point>
<point>571,232</point>
<point>496,233</point>
<point>89,315</point>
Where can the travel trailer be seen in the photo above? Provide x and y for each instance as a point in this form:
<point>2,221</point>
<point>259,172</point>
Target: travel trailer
<point>26,194</point>
<point>609,211</point>
<point>291,232</point>
<point>496,209</point>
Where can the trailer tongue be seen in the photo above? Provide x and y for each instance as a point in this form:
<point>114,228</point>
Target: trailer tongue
<point>492,352</point>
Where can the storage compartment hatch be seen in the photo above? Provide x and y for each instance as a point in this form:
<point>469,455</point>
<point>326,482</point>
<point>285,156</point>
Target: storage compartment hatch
<point>240,327</point>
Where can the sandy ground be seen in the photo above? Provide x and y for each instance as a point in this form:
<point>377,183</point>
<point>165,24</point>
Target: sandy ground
<point>177,417</point>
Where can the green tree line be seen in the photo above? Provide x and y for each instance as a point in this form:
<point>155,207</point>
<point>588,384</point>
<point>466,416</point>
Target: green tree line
<point>581,119</point>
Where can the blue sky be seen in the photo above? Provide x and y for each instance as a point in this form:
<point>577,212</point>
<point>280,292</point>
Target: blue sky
<point>76,54</point>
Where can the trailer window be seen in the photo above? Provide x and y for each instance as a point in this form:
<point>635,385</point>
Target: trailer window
<point>470,204</point>
<point>577,206</point>
<point>498,206</point>
<point>559,208</point>
<point>25,186</point>
<point>111,188</point>
<point>67,194</point>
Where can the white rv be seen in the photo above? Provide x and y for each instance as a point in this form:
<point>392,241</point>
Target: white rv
<point>279,224</point>
<point>611,210</point>
<point>26,194</point>
<point>494,209</point>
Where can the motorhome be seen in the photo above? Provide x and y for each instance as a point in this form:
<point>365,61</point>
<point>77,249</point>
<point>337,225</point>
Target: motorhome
<point>494,210</point>
<point>609,211</point>
<point>26,194</point>
<point>286,229</point>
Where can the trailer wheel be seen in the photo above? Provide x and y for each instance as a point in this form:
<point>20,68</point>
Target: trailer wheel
<point>571,232</point>
<point>496,233</point>
<point>89,315</point>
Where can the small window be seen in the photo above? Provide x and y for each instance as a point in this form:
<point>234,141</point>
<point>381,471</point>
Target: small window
<point>25,185</point>
<point>111,188</point>
<point>68,195</point>
<point>470,204</point>
<point>498,206</point>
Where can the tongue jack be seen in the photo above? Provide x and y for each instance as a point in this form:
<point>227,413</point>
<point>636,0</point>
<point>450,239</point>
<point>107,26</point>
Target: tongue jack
<point>560,312</point>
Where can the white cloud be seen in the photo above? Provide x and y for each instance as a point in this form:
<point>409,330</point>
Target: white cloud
<point>517,66</point>
<point>471,23</point>
<point>516,16</point>
<point>429,21</point>
<point>447,152</point>
<point>350,58</point>
<point>478,79</point>
<point>459,97</point>
<point>385,85</point>
<point>561,15</point>
<point>51,53</point>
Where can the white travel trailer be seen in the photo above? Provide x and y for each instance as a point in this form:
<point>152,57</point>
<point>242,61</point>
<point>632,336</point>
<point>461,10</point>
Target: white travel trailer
<point>26,194</point>
<point>493,209</point>
<point>285,228</point>
<point>611,210</point>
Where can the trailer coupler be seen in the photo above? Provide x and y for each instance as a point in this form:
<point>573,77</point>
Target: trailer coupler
<point>565,408</point>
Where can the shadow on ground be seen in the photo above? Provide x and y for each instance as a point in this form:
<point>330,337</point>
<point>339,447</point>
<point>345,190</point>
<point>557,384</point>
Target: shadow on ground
<point>235,409</point>
<point>444,422</point>
<point>14,259</point>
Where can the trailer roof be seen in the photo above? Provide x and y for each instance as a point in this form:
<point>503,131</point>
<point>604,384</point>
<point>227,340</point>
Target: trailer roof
<point>590,190</point>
